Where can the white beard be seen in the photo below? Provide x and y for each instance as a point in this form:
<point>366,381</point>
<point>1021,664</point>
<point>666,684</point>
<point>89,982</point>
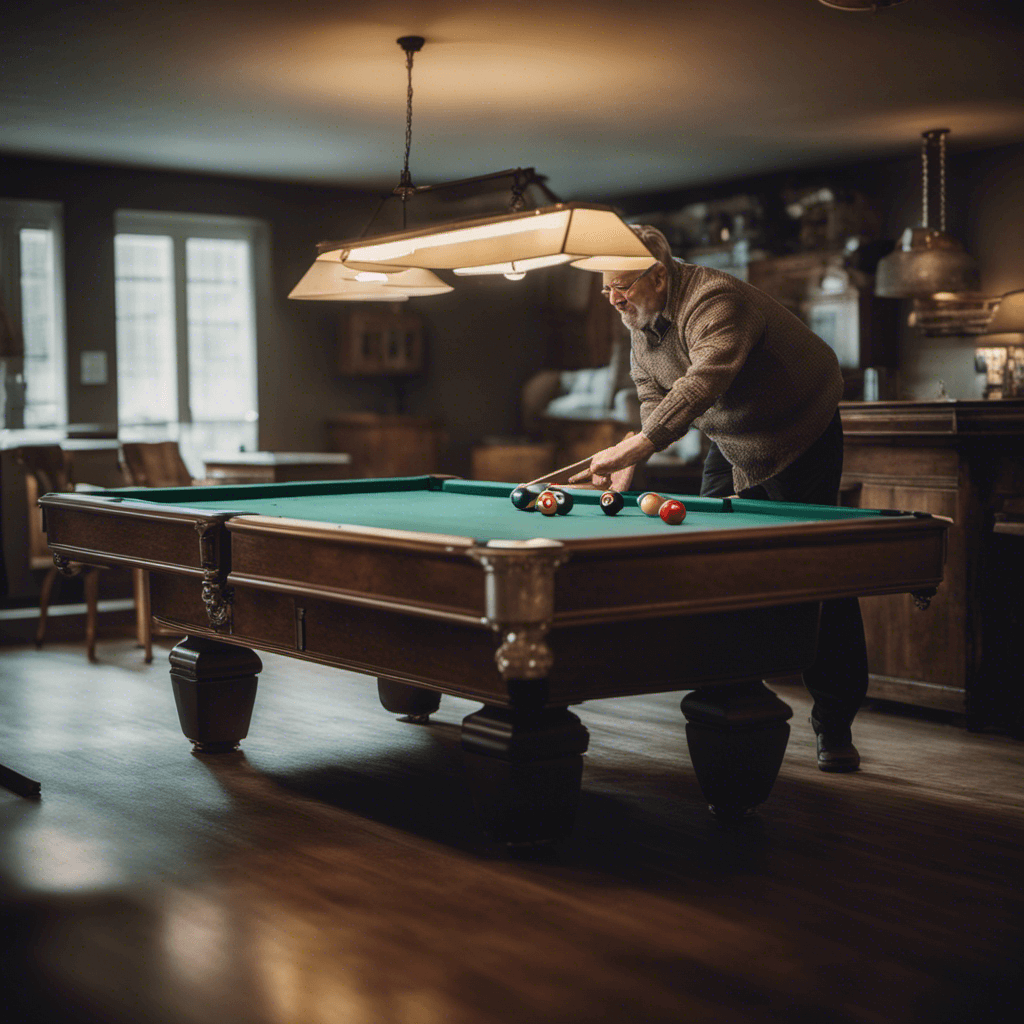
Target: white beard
<point>636,320</point>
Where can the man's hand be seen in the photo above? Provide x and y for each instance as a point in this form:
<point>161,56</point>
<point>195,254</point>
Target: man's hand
<point>613,467</point>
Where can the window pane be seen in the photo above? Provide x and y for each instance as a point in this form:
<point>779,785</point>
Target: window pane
<point>147,383</point>
<point>221,341</point>
<point>44,364</point>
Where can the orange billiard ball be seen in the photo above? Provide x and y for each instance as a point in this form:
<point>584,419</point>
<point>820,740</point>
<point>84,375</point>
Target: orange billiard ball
<point>548,504</point>
<point>672,512</point>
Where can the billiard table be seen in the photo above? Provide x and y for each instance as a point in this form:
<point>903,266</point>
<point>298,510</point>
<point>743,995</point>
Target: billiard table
<point>437,585</point>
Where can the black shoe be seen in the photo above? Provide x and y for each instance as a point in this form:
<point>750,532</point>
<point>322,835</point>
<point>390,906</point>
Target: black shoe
<point>836,752</point>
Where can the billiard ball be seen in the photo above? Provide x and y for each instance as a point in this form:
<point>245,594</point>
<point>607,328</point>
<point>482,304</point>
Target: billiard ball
<point>672,512</point>
<point>525,496</point>
<point>548,503</point>
<point>522,499</point>
<point>612,503</point>
<point>564,499</point>
<point>650,502</point>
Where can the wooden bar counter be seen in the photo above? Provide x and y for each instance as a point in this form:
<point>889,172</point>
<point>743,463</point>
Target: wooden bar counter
<point>960,459</point>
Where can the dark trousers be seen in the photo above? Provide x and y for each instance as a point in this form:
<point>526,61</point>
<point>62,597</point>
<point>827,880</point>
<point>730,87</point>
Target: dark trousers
<point>838,679</point>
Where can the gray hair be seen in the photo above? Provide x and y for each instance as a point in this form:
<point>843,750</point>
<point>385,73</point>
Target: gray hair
<point>655,241</point>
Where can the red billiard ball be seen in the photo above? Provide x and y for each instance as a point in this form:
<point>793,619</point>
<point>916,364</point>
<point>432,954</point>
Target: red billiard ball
<point>672,512</point>
<point>548,503</point>
<point>612,503</point>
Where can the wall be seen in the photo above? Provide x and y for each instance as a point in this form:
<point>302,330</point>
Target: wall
<point>985,194</point>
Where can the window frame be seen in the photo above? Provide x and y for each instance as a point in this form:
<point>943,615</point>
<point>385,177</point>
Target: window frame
<point>180,227</point>
<point>45,215</point>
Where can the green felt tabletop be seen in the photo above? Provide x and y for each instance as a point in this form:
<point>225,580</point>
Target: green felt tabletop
<point>477,509</point>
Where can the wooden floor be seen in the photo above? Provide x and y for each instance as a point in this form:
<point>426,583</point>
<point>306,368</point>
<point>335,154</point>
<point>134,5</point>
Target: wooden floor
<point>331,872</point>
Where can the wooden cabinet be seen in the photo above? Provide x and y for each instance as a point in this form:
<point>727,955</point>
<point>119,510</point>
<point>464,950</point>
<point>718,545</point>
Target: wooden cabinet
<point>960,460</point>
<point>386,445</point>
<point>374,342</point>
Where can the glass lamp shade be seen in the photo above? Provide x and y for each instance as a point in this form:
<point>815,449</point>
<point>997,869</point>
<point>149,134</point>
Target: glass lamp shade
<point>332,281</point>
<point>925,263</point>
<point>506,243</point>
<point>1007,324</point>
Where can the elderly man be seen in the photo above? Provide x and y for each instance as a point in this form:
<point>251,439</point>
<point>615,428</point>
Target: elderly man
<point>711,350</point>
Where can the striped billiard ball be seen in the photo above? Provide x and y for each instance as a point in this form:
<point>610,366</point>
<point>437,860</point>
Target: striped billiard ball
<point>548,503</point>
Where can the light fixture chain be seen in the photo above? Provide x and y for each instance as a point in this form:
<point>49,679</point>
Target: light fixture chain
<point>942,181</point>
<point>406,179</point>
<point>924,181</point>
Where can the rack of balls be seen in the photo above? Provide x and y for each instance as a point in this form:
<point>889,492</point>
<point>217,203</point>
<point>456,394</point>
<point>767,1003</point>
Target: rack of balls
<point>551,500</point>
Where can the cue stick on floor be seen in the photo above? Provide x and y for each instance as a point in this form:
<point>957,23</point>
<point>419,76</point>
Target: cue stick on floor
<point>17,783</point>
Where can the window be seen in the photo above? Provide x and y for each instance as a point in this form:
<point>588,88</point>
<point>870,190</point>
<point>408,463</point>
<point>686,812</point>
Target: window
<point>32,292</point>
<point>186,330</point>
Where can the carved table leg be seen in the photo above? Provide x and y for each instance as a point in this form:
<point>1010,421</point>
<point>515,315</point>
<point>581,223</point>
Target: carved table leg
<point>737,736</point>
<point>525,766</point>
<point>214,689</point>
<point>416,703</point>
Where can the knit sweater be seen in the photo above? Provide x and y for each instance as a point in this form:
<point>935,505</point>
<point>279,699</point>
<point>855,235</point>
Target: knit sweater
<point>731,360</point>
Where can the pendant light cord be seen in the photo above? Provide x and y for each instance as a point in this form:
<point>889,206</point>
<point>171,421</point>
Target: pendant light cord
<point>412,45</point>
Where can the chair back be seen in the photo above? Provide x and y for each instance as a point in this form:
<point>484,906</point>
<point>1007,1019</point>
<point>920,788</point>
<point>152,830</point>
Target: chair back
<point>154,464</point>
<point>48,468</point>
<point>48,465</point>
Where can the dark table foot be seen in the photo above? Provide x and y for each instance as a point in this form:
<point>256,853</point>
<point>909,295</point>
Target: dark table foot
<point>214,689</point>
<point>416,703</point>
<point>525,768</point>
<point>737,735</point>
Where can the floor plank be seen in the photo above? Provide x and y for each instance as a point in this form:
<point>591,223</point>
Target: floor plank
<point>331,871</point>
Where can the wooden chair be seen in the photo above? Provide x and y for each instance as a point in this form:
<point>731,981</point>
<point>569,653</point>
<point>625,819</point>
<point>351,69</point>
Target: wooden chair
<point>154,464</point>
<point>49,468</point>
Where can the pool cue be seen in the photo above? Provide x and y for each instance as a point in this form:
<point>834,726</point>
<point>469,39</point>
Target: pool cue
<point>549,478</point>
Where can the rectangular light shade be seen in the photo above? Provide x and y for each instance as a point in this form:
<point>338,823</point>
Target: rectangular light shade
<point>580,232</point>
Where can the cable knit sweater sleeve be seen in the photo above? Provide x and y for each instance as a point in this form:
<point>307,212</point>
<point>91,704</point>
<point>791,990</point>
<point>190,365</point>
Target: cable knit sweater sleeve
<point>721,329</point>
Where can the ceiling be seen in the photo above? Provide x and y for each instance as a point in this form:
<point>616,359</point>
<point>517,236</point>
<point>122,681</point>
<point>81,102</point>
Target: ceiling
<point>603,97</point>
